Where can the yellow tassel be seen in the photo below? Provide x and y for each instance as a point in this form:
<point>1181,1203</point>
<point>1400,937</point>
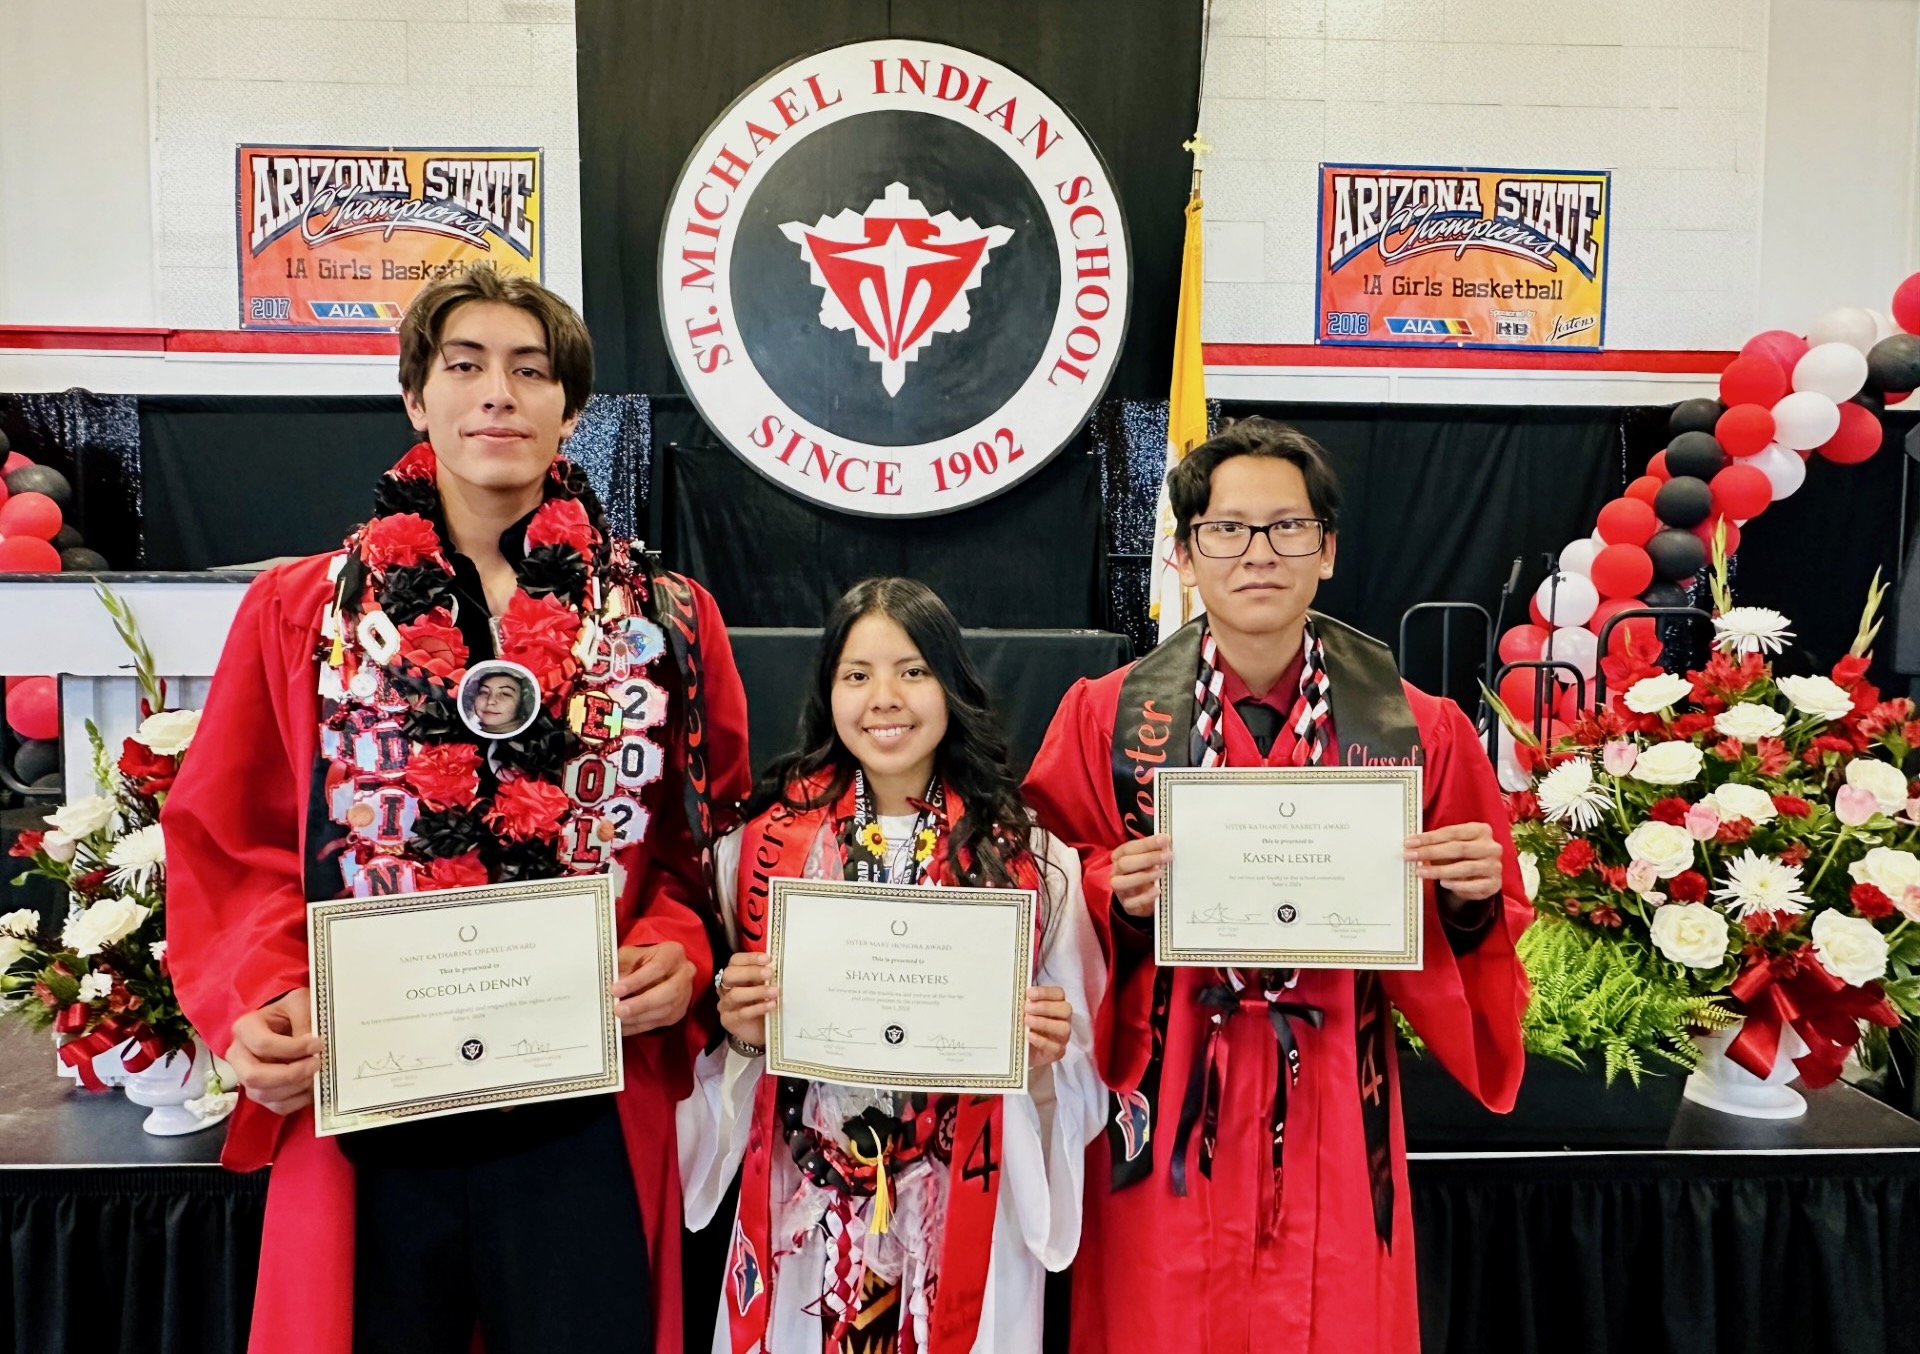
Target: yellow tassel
<point>882,1203</point>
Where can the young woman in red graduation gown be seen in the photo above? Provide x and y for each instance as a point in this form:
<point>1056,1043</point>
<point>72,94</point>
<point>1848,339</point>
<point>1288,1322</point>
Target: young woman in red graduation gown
<point>902,777</point>
<point>1251,1189</point>
<point>331,760</point>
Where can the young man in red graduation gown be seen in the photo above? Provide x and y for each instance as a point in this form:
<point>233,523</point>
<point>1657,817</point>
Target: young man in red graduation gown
<point>332,760</point>
<point>1251,1191</point>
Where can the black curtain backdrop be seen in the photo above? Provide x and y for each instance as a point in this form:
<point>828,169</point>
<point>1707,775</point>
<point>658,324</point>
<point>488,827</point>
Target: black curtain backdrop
<point>653,77</point>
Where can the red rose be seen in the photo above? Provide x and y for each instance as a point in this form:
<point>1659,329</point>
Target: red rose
<point>453,872</point>
<point>435,645</point>
<point>149,772</point>
<point>1849,670</point>
<point>26,845</point>
<point>1689,886</point>
<point>1870,902</point>
<point>524,809</point>
<point>445,776</point>
<point>1795,855</point>
<point>1733,831</point>
<point>1522,805</point>
<point>1791,806</point>
<point>1574,858</point>
<point>562,521</point>
<point>418,464</point>
<point>400,539</point>
<point>1672,809</point>
<point>539,635</point>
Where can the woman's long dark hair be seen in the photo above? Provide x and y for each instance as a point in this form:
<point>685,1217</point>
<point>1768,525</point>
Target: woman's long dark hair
<point>972,757</point>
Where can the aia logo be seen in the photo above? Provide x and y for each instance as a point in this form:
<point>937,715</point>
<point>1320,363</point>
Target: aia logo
<point>894,277</point>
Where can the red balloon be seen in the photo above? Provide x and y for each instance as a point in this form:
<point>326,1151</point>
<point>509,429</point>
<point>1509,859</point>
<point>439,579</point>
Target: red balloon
<point>1645,489</point>
<point>1893,397</point>
<point>33,707</point>
<point>1745,429</point>
<point>1608,608</point>
<point>1906,305</point>
<point>1640,630</point>
<point>1622,570</point>
<point>1705,532</point>
<point>1858,438</point>
<point>1753,380</point>
<point>30,515</point>
<point>1657,467</point>
<point>28,555</point>
<point>14,461</point>
<point>1538,616</point>
<point>1567,707</point>
<point>1741,491</point>
<point>1780,346</point>
<point>1516,692</point>
<point>1522,644</point>
<point>1628,521</point>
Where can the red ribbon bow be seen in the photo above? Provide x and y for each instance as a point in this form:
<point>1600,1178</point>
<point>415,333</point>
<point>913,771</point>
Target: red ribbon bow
<point>1797,990</point>
<point>148,1049</point>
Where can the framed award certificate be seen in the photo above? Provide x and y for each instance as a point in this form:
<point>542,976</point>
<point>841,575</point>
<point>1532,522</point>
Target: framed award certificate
<point>1289,867</point>
<point>900,986</point>
<point>462,999</point>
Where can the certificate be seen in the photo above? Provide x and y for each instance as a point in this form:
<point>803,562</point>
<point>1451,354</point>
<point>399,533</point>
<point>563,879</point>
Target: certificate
<point>901,986</point>
<point>461,999</point>
<point>1289,867</point>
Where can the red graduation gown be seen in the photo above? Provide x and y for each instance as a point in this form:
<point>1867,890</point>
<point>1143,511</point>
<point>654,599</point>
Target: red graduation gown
<point>1157,1271</point>
<point>236,940</point>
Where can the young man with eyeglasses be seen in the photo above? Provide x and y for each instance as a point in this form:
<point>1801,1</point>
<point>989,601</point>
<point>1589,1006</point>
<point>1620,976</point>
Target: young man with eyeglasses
<point>1241,1196</point>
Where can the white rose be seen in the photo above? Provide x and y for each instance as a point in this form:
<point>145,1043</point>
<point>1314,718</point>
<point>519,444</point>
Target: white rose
<point>169,732</point>
<point>1749,721</point>
<point>1820,696</point>
<point>1673,763</point>
<point>1881,780</point>
<point>59,846</point>
<point>1851,948</point>
<point>107,921</point>
<point>1530,874</point>
<point>83,817</point>
<point>1652,694</point>
<point>1691,933</point>
<point>1890,871</point>
<point>1662,845</point>
<point>1750,802</point>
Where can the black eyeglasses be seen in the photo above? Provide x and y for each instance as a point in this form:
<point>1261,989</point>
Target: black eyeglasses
<point>1290,537</point>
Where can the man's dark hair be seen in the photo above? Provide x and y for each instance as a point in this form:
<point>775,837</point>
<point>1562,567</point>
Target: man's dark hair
<point>1190,484</point>
<point>569,350</point>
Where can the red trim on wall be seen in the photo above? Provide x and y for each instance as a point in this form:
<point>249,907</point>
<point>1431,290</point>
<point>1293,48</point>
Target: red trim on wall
<point>1675,360</point>
<point>85,338</point>
<point>96,339</point>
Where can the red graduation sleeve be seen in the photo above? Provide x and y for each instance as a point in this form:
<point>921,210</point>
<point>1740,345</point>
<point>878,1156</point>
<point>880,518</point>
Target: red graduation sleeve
<point>1467,1007</point>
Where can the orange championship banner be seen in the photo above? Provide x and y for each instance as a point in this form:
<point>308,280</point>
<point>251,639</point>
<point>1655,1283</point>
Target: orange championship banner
<point>1463,258</point>
<point>341,237</point>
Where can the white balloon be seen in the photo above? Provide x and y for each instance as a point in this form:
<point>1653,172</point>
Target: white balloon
<point>1884,325</point>
<point>1567,599</point>
<point>1784,469</point>
<point>1599,542</point>
<point>1805,419</point>
<point>1513,776</point>
<point>1577,557</point>
<point>1851,325</point>
<point>1836,370</point>
<point>1572,644</point>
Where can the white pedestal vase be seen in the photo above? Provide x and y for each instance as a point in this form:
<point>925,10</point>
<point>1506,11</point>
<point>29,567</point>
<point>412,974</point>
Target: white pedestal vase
<point>1722,1084</point>
<point>167,1086</point>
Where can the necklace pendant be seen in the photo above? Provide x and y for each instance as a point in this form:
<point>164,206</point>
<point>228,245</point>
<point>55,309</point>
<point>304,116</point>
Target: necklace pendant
<point>365,684</point>
<point>378,637</point>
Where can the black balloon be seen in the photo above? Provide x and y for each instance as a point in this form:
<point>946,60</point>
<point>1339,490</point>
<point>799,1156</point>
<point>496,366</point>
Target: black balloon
<point>1676,554</point>
<point>1683,501</point>
<point>37,757</point>
<point>1894,363</point>
<point>1695,454</point>
<point>1665,594</point>
<point>5,446</point>
<point>1694,416</point>
<point>41,479</point>
<point>80,560</point>
<point>66,538</point>
<point>48,784</point>
<point>1870,402</point>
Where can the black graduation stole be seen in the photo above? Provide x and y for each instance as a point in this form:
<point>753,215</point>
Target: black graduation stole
<point>1152,730</point>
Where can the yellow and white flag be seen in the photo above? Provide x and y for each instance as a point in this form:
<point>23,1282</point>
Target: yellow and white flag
<point>1173,605</point>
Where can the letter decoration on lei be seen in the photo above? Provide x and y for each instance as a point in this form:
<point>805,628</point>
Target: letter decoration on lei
<point>424,801</point>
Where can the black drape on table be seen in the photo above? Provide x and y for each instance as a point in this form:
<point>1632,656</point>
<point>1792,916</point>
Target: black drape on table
<point>653,77</point>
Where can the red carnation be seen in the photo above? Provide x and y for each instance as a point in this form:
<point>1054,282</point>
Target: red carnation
<point>1795,855</point>
<point>1886,717</point>
<point>1773,756</point>
<point>453,872</point>
<point>1614,875</point>
<point>1791,806</point>
<point>1870,902</point>
<point>149,772</point>
<point>1522,805</point>
<point>1689,886</point>
<point>1575,858</point>
<point>418,464</point>
<point>539,635</point>
<point>524,809</point>
<point>1688,725</point>
<point>26,845</point>
<point>562,521</point>
<point>400,539</point>
<point>1849,670</point>
<point>1672,809</point>
<point>1825,743</point>
<point>445,776</point>
<point>435,645</point>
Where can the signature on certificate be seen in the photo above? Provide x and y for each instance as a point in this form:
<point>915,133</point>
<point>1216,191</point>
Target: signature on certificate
<point>830,1033</point>
<point>947,1044</point>
<point>533,1048</point>
<point>393,1065</point>
<point>1342,920</point>
<point>1219,915</point>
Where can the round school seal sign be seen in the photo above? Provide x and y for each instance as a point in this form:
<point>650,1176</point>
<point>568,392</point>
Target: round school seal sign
<point>894,277</point>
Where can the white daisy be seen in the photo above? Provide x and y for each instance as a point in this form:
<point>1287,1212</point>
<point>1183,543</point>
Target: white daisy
<point>1568,793</point>
<point>1751,629</point>
<point>1757,883</point>
<point>137,856</point>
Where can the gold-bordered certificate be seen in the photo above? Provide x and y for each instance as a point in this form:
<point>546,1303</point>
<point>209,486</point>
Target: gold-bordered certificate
<point>438,1003</point>
<point>1289,867</point>
<point>900,986</point>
